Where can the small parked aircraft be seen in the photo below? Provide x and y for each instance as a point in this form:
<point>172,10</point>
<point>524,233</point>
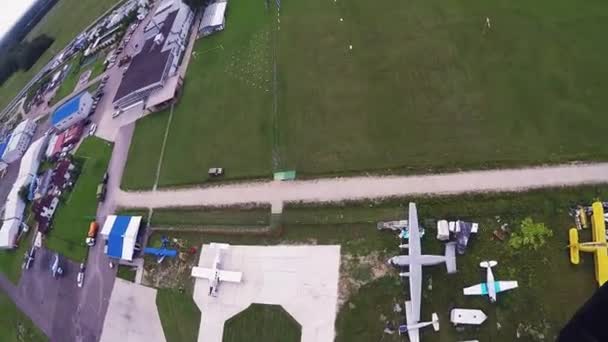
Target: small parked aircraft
<point>214,274</point>
<point>412,327</point>
<point>490,287</point>
<point>56,269</point>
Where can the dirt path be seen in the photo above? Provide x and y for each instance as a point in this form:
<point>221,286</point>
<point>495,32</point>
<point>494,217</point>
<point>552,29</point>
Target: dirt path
<point>338,189</point>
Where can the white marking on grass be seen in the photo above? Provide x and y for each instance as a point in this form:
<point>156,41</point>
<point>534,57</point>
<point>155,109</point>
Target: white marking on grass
<point>341,19</point>
<point>162,150</point>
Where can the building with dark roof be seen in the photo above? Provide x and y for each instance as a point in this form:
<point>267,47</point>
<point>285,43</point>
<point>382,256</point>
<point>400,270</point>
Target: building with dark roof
<point>72,111</point>
<point>165,39</point>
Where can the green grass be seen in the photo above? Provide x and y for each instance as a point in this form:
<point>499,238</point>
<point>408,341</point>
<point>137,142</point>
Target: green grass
<point>127,273</point>
<point>68,84</point>
<point>425,88</point>
<point>63,22</point>
<point>193,217</point>
<point>259,322</point>
<point>353,226</point>
<point>146,144</point>
<point>73,217</point>
<point>12,260</point>
<point>16,326</point>
<point>179,315</point>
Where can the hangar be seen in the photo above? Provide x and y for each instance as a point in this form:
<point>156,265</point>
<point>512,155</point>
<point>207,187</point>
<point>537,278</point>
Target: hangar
<point>120,235</point>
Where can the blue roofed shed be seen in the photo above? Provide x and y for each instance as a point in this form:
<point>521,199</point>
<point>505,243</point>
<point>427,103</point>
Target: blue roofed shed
<point>72,111</point>
<point>120,234</point>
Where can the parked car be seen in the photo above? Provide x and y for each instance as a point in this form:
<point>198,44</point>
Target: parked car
<point>80,276</point>
<point>216,171</point>
<point>92,129</point>
<point>116,113</point>
<point>101,192</point>
<point>106,176</point>
<point>105,78</point>
<point>92,234</point>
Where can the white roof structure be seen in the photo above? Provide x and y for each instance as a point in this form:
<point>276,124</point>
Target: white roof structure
<point>467,316</point>
<point>8,233</point>
<point>51,146</point>
<point>25,126</point>
<point>31,158</point>
<point>214,14</point>
<point>121,235</point>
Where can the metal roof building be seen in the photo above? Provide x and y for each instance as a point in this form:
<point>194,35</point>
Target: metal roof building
<point>72,111</point>
<point>120,233</point>
<point>213,19</point>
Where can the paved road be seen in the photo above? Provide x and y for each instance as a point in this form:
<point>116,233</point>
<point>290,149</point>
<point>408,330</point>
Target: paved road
<point>337,189</point>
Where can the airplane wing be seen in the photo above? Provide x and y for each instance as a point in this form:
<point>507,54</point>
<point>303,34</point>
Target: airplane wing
<point>231,277</point>
<point>413,334</point>
<point>415,278</point>
<point>201,272</point>
<point>501,286</point>
<point>479,289</point>
<point>414,239</point>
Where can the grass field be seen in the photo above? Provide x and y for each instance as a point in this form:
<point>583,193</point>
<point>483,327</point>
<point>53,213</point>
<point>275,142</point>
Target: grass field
<point>14,325</point>
<point>68,85</point>
<point>179,315</point>
<point>11,260</point>
<point>72,218</point>
<point>63,22</point>
<point>372,289</point>
<point>146,144</point>
<point>426,87</point>
<point>263,323</point>
<point>127,273</point>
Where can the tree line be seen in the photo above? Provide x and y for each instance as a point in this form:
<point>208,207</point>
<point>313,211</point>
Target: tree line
<point>23,56</point>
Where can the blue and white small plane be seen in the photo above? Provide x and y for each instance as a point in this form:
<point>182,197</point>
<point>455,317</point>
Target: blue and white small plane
<point>490,287</point>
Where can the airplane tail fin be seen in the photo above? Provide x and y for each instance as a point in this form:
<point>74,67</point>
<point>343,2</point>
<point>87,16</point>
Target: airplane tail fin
<point>450,257</point>
<point>488,264</point>
<point>435,320</point>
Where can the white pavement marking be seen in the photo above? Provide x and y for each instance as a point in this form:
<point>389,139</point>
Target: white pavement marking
<point>302,279</point>
<point>132,315</point>
<point>338,189</point>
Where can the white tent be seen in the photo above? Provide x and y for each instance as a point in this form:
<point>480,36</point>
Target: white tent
<point>31,158</point>
<point>8,233</point>
<point>213,18</point>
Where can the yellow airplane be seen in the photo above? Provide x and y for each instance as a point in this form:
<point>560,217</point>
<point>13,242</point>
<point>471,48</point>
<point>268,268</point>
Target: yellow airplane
<point>598,246</point>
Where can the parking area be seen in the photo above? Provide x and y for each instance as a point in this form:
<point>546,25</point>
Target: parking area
<point>54,297</point>
<point>302,279</point>
<point>132,314</point>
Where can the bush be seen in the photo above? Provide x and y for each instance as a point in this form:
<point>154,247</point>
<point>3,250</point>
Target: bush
<point>531,235</point>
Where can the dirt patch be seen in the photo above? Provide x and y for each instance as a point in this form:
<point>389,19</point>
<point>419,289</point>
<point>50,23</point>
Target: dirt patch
<point>171,272</point>
<point>356,271</point>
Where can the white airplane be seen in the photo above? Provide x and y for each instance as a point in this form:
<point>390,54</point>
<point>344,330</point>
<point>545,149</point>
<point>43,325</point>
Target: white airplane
<point>214,274</point>
<point>56,269</point>
<point>413,327</point>
<point>490,287</point>
<point>414,260</point>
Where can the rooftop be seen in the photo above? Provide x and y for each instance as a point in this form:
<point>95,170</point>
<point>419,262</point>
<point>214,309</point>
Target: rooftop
<point>67,109</point>
<point>148,66</point>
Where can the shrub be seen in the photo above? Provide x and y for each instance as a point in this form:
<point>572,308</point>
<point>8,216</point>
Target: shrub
<point>531,235</point>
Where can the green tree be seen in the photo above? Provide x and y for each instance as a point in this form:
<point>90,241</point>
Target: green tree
<point>531,235</point>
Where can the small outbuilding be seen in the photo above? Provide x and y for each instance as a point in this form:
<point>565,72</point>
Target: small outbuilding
<point>120,235</point>
<point>72,111</point>
<point>213,19</point>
